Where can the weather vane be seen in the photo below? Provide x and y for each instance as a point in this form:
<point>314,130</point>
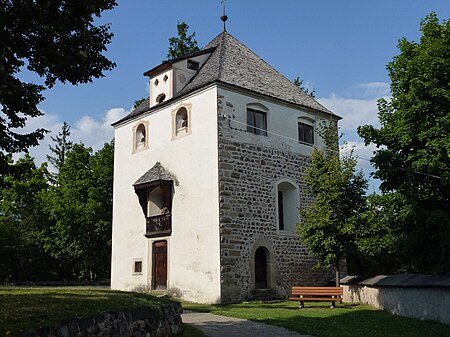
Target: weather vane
<point>224,17</point>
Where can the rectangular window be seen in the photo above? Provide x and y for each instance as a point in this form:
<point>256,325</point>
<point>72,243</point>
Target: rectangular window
<point>137,267</point>
<point>192,65</point>
<point>305,133</point>
<point>257,122</point>
<point>280,211</point>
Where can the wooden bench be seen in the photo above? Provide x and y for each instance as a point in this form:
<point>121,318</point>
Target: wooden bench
<point>319,294</point>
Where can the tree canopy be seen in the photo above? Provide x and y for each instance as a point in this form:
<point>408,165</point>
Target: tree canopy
<point>55,40</point>
<point>413,156</point>
<point>62,146</point>
<point>58,226</point>
<point>329,223</point>
<point>183,44</point>
<point>81,210</point>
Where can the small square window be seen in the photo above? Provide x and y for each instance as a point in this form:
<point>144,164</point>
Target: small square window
<point>305,133</point>
<point>137,269</point>
<point>192,65</point>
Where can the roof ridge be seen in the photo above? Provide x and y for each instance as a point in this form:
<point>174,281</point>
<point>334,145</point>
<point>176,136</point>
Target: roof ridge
<point>232,62</point>
<point>298,89</point>
<point>222,53</point>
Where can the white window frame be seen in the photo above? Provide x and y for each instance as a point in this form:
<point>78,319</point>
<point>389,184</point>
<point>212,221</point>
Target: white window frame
<point>178,132</point>
<point>140,146</point>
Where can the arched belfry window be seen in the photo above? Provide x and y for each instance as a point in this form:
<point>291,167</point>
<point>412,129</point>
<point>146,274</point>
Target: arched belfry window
<point>140,135</point>
<point>181,121</point>
<point>287,196</point>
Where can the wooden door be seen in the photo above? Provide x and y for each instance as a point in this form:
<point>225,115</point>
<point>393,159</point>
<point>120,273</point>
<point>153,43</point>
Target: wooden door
<point>260,269</point>
<point>159,265</point>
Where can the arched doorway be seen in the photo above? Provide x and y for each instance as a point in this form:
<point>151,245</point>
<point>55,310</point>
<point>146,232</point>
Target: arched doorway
<point>261,269</point>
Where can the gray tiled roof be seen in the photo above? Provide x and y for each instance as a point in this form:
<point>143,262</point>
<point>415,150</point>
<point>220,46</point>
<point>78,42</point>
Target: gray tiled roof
<point>401,280</point>
<point>233,63</point>
<point>156,173</point>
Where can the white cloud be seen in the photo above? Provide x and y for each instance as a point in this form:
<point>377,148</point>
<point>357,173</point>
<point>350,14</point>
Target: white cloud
<point>374,89</point>
<point>359,108</point>
<point>88,130</point>
<point>354,112</point>
<point>363,154</point>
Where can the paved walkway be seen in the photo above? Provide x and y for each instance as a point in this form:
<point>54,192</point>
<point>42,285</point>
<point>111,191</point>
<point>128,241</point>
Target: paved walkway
<point>221,326</point>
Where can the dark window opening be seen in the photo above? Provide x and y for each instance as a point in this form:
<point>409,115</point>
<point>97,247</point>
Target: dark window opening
<point>280,211</point>
<point>138,266</point>
<point>160,98</point>
<point>192,65</point>
<point>305,133</point>
<point>257,122</point>
<point>260,269</point>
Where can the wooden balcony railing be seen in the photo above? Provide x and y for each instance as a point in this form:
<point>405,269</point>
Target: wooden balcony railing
<point>160,225</point>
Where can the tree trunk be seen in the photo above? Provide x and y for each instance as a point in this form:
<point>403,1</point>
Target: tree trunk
<point>338,275</point>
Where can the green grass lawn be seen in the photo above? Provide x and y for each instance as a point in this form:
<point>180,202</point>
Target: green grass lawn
<point>319,320</point>
<point>30,308</point>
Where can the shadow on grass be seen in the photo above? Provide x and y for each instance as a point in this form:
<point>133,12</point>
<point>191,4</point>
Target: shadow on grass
<point>348,320</point>
<point>26,308</point>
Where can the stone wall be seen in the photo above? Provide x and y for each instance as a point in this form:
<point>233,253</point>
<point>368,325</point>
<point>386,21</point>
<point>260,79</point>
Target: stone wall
<point>137,322</point>
<point>425,297</point>
<point>248,172</point>
<point>421,303</point>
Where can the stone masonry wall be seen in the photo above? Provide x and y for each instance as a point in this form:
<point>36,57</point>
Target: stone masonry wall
<point>137,322</point>
<point>247,175</point>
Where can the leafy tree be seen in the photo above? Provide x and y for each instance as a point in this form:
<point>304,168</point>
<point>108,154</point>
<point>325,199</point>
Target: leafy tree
<point>328,225</point>
<point>81,207</point>
<point>183,44</point>
<point>55,40</point>
<point>62,146</point>
<point>413,156</point>
<point>378,237</point>
<point>299,83</point>
<point>22,222</point>
<point>138,102</point>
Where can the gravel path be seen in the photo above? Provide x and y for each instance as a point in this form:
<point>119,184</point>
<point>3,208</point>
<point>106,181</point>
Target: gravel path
<point>221,326</point>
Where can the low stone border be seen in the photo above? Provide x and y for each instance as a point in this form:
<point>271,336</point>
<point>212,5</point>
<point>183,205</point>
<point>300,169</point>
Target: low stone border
<point>424,297</point>
<point>136,322</point>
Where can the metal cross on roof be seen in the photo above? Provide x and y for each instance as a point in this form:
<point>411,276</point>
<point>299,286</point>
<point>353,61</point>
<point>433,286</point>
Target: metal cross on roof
<point>224,17</point>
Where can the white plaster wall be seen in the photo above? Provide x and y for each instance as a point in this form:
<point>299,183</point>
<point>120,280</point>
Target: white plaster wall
<point>163,87</point>
<point>193,247</point>
<point>422,303</point>
<point>282,121</point>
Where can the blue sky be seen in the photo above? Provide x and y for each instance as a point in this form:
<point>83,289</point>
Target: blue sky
<point>340,48</point>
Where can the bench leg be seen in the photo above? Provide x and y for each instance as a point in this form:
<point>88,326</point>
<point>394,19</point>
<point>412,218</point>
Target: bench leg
<point>301,305</point>
<point>333,305</point>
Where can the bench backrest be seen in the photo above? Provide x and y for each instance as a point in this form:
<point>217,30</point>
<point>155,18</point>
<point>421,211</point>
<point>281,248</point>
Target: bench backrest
<point>317,291</point>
